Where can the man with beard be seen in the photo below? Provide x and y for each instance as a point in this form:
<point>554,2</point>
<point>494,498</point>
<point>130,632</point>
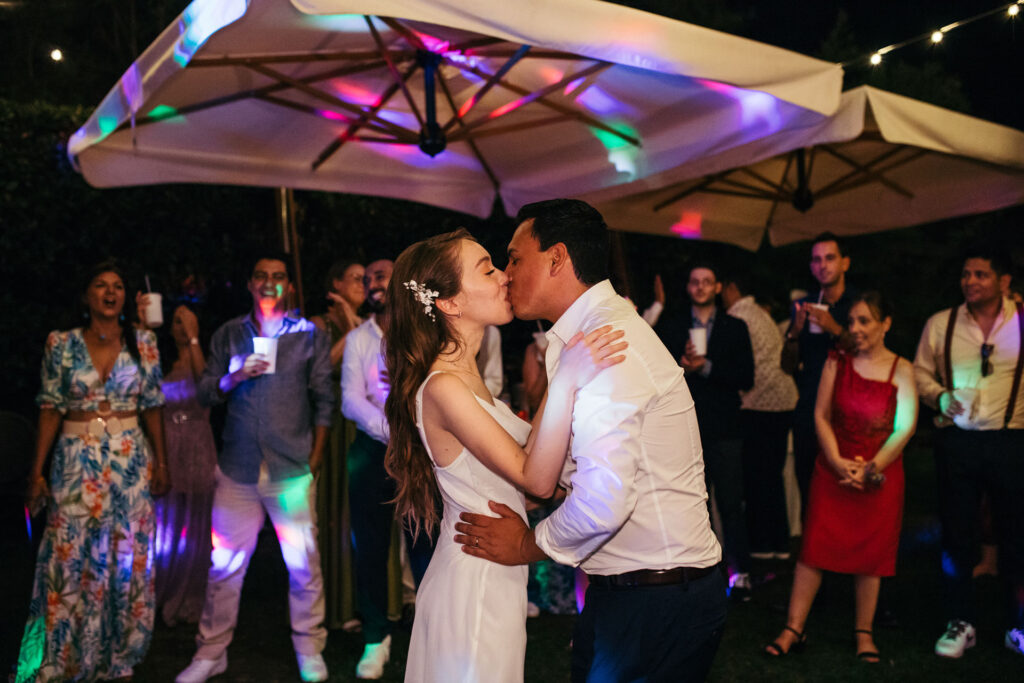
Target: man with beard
<point>635,517</point>
<point>364,389</point>
<point>816,327</point>
<point>279,407</point>
<point>968,367</point>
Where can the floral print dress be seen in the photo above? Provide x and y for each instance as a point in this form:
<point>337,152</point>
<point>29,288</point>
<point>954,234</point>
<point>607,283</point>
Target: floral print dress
<point>91,614</point>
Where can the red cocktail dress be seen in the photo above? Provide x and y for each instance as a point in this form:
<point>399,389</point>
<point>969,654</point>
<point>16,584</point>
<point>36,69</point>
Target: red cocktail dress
<point>846,530</point>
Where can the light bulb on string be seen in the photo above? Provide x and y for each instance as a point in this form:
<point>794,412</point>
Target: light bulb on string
<point>876,59</point>
<point>57,55</point>
<point>937,37</point>
<point>1013,10</point>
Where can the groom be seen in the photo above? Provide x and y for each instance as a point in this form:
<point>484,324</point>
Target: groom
<point>635,517</point>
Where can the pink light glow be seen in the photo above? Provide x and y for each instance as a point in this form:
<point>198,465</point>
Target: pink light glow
<point>688,225</point>
<point>433,44</point>
<point>505,108</point>
<point>353,93</point>
<point>755,107</point>
<point>550,74</point>
<point>571,87</point>
<point>332,115</point>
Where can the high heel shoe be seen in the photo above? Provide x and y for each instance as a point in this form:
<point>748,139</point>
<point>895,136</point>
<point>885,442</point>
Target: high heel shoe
<point>773,649</point>
<point>868,656</point>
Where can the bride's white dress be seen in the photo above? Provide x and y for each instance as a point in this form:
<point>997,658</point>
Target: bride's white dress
<point>470,623</point>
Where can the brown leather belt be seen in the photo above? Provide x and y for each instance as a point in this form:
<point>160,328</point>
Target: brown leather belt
<point>651,577</point>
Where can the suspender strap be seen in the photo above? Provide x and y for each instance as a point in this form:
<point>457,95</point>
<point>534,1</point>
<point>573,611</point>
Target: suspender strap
<point>1012,403</point>
<point>947,354</point>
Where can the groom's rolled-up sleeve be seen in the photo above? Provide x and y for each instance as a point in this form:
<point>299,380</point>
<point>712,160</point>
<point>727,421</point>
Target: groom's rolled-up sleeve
<point>607,449</point>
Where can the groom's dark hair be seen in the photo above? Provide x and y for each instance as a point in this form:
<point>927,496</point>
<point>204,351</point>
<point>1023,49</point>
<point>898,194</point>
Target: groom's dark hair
<point>577,225</point>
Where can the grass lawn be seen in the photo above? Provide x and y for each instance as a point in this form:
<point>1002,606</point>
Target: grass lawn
<point>261,651</point>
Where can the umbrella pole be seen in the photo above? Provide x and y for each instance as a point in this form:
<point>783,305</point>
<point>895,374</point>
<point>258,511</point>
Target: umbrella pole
<point>284,200</point>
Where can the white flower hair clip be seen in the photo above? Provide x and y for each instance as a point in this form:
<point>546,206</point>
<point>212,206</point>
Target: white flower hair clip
<point>423,295</point>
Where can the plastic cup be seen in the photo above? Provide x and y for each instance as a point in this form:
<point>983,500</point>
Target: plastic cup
<point>813,327</point>
<point>153,311</point>
<point>266,347</point>
<point>969,399</point>
<point>699,338</point>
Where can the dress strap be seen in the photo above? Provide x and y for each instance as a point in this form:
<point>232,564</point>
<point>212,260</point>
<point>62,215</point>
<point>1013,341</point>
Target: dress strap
<point>892,370</point>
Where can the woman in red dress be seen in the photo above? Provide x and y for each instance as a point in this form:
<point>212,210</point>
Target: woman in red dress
<point>865,414</point>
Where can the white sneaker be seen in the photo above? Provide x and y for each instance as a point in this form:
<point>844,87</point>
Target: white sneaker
<point>201,669</point>
<point>958,637</point>
<point>375,656</point>
<point>312,668</point>
<point>1015,640</point>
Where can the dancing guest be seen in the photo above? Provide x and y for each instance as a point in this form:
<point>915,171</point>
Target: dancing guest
<point>279,405</point>
<point>91,615</point>
<point>346,293</point>
<point>865,414</point>
<point>450,437</point>
<point>183,515</point>
<point>635,516</point>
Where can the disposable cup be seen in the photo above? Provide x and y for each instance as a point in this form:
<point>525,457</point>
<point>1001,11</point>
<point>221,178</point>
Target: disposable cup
<point>266,347</point>
<point>153,310</point>
<point>813,327</point>
<point>969,398</point>
<point>699,337</point>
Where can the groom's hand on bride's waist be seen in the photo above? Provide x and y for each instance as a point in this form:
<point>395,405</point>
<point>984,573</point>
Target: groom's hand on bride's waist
<point>505,539</point>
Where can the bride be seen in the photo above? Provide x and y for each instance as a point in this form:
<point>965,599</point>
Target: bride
<point>449,437</point>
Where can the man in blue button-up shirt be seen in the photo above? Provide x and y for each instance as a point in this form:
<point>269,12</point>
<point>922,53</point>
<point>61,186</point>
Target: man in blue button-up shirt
<point>279,408</point>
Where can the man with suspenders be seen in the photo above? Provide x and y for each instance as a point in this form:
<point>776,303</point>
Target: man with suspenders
<point>968,367</point>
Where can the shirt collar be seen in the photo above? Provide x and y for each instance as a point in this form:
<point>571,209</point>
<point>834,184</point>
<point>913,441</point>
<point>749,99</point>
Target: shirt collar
<point>571,322</point>
<point>287,323</point>
<point>696,320</point>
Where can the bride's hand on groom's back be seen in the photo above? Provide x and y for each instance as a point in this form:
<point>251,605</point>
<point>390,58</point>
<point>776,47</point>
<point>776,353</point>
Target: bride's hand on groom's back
<point>587,355</point>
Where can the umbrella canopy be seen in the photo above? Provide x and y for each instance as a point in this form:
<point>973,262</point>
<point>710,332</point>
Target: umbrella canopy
<point>448,102</point>
<point>882,161</point>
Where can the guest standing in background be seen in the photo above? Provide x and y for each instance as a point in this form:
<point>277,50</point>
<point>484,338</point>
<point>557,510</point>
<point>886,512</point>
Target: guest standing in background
<point>766,415</point>
<point>346,293</point>
<point>183,515</point>
<point>865,414</point>
<point>92,608</point>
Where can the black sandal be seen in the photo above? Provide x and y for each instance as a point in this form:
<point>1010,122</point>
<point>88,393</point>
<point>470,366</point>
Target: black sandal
<point>867,656</point>
<point>773,649</point>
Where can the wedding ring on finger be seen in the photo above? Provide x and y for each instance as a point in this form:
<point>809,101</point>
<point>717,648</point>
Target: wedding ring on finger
<point>476,541</point>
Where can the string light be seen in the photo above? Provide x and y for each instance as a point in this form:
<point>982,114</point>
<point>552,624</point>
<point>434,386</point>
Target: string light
<point>935,37</point>
<point>56,55</point>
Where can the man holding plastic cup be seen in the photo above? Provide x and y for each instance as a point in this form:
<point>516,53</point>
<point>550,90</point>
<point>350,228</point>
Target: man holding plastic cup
<point>714,350</point>
<point>273,370</point>
<point>817,325</point>
<point>968,367</point>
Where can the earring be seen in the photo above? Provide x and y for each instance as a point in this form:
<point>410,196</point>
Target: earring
<point>460,314</point>
<point>122,317</point>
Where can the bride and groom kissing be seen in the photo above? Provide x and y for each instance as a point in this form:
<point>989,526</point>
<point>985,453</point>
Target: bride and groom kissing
<point>617,430</point>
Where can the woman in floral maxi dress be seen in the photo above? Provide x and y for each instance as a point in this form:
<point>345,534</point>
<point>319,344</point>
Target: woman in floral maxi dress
<point>91,615</point>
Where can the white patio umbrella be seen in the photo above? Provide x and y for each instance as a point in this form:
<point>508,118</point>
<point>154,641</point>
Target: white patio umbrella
<point>448,102</point>
<point>882,161</point>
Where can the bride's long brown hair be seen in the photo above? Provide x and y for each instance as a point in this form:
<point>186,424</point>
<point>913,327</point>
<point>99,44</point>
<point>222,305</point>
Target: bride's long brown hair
<point>412,342</point>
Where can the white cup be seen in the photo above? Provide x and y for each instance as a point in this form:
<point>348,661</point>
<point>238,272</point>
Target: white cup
<point>699,338</point>
<point>266,347</point>
<point>813,327</point>
<point>153,311</point>
<point>969,398</point>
